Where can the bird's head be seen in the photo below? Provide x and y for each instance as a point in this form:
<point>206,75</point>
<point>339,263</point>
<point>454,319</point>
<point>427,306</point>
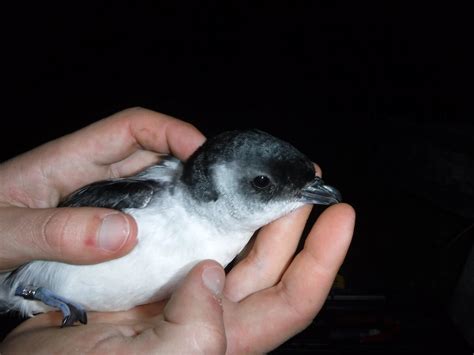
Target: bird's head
<point>251,175</point>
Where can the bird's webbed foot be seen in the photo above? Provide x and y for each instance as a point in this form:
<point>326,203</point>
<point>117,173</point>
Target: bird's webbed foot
<point>72,312</point>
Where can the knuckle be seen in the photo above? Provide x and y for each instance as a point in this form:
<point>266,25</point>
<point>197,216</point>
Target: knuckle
<point>53,231</point>
<point>135,110</point>
<point>301,313</point>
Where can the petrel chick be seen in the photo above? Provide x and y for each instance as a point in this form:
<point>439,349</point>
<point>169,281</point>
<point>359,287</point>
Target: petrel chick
<point>205,208</point>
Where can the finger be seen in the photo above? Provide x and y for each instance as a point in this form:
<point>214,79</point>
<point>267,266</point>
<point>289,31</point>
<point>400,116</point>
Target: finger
<point>273,249</point>
<point>203,286</point>
<point>165,134</point>
<point>96,152</point>
<point>319,261</point>
<point>134,163</point>
<point>73,235</point>
<point>319,172</point>
<point>140,128</point>
<point>106,143</point>
<point>193,316</point>
<point>292,304</point>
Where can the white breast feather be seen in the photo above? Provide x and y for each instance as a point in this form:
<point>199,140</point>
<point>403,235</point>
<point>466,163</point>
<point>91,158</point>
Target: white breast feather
<point>170,243</point>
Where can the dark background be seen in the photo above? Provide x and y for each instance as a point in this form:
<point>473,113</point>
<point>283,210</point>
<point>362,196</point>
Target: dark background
<point>378,94</point>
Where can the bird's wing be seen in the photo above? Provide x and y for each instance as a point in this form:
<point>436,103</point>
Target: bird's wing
<point>117,194</point>
<point>133,192</point>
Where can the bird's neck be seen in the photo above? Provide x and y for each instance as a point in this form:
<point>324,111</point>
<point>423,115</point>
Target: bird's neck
<point>218,214</point>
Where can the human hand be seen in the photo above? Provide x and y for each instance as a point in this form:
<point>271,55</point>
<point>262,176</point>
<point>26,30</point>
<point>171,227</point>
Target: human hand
<point>271,294</point>
<point>190,322</point>
<point>268,297</point>
<point>32,184</point>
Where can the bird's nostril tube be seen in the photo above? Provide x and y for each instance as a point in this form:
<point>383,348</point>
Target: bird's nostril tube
<point>317,181</point>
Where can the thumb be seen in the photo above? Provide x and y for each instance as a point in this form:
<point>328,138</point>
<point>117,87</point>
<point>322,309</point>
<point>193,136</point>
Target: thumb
<point>72,235</point>
<point>194,313</point>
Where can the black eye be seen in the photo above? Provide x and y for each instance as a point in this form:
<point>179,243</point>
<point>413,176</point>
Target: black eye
<point>261,182</point>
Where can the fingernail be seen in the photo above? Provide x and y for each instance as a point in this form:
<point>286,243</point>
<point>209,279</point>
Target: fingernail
<point>113,232</point>
<point>213,278</point>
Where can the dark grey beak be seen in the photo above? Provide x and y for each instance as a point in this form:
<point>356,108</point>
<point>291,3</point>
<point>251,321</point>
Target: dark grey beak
<point>318,193</point>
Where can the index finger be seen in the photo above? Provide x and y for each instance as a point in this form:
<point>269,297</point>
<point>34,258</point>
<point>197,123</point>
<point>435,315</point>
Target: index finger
<point>137,128</point>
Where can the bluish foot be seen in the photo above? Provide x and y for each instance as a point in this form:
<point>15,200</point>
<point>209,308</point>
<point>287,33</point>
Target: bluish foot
<point>72,312</point>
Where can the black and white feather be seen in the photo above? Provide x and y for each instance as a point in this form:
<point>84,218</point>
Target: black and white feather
<point>132,192</point>
<point>206,208</point>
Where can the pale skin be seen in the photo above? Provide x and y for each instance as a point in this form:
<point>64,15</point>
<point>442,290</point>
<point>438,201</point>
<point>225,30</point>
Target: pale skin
<point>269,296</point>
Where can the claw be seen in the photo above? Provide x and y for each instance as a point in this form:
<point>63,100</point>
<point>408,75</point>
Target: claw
<point>66,322</point>
<point>78,313</point>
<point>72,312</point>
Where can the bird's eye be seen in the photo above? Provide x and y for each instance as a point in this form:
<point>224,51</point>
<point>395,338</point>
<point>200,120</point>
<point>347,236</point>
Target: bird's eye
<point>261,182</point>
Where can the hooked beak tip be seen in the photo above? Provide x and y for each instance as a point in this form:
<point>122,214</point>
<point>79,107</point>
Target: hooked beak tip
<point>319,193</point>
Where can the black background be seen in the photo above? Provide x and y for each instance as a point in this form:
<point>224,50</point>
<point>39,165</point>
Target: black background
<point>378,94</point>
